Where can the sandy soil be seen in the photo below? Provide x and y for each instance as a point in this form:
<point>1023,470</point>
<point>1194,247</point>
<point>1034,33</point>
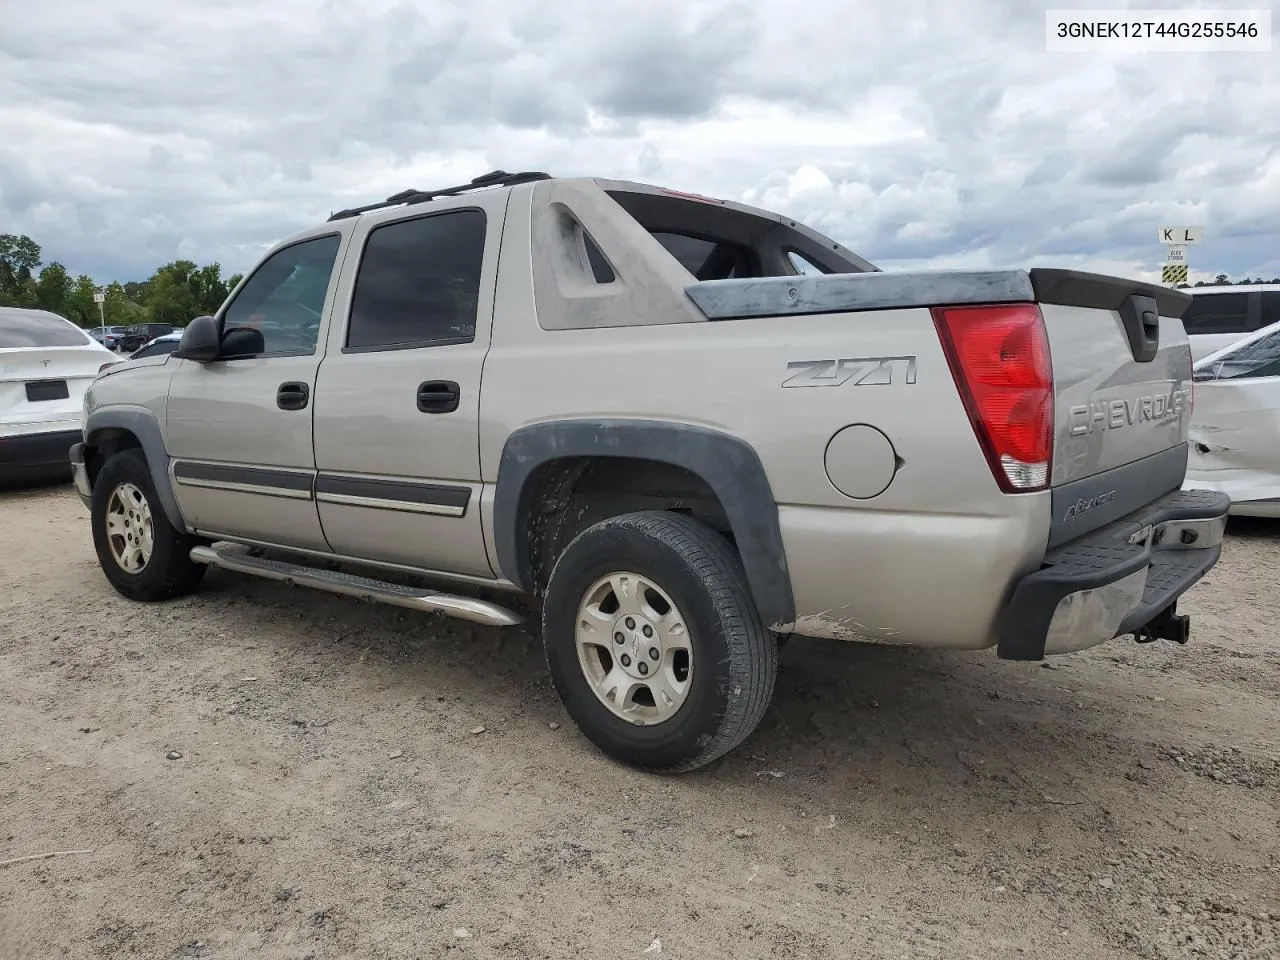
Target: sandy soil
<point>329,795</point>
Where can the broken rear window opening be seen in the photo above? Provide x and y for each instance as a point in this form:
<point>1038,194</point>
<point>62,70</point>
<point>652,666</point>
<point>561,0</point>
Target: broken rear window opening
<point>721,242</point>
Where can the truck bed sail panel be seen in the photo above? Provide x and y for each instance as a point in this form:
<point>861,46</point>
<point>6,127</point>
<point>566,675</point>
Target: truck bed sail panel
<point>847,293</point>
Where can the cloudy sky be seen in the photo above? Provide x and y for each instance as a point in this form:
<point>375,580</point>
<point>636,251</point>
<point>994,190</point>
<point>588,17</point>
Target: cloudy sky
<point>133,132</point>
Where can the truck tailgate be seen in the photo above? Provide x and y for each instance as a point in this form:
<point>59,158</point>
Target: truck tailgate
<point>1122,395</point>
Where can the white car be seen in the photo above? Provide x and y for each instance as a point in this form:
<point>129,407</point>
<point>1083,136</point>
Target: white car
<point>1221,316</point>
<point>160,346</point>
<point>1235,426</point>
<point>46,364</point>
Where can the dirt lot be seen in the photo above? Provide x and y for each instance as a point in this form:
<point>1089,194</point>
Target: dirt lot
<point>329,794</point>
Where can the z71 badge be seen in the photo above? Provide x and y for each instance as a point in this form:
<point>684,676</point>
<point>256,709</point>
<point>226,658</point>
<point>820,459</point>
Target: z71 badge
<point>861,371</point>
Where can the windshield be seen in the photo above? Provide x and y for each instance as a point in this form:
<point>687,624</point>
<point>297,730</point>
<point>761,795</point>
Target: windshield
<point>35,328</point>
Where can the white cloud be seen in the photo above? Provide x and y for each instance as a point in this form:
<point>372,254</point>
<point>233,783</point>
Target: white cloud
<point>936,133</point>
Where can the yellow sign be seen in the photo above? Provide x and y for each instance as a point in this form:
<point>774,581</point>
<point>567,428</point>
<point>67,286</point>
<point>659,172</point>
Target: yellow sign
<point>1174,273</point>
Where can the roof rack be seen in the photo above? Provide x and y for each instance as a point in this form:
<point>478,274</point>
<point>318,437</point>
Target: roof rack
<point>497,178</point>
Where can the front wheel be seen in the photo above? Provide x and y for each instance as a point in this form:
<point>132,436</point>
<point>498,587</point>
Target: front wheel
<point>654,644</point>
<point>141,553</point>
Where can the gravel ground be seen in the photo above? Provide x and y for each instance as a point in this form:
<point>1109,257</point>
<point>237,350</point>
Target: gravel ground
<point>262,772</point>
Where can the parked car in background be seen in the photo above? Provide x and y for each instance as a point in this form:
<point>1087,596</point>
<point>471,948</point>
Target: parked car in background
<point>1235,426</point>
<point>158,347</point>
<point>1221,316</point>
<point>46,364</point>
<point>140,334</point>
<point>109,337</point>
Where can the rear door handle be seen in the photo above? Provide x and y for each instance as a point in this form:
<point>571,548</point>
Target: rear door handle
<point>292,395</point>
<point>438,396</point>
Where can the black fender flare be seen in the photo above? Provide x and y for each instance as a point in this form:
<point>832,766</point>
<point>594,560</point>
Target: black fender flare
<point>142,423</point>
<point>728,464</point>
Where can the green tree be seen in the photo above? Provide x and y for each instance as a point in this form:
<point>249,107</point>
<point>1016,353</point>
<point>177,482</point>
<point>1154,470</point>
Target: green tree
<point>120,310</point>
<point>233,281</point>
<point>209,288</point>
<point>173,293</point>
<point>53,289</point>
<point>19,257</point>
<point>137,292</point>
<point>80,306</point>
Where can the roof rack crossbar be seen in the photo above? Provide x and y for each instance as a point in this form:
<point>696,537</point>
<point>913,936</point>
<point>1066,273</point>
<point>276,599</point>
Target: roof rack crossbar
<point>495,178</point>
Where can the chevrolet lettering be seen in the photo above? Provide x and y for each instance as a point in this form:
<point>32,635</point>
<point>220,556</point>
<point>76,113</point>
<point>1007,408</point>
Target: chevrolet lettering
<point>491,401</point>
<point>1117,414</point>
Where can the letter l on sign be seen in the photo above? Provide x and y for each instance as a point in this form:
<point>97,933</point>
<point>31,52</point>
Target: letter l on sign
<point>1180,235</point>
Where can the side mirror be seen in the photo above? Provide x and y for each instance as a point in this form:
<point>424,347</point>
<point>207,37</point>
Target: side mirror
<point>199,341</point>
<point>241,342</point>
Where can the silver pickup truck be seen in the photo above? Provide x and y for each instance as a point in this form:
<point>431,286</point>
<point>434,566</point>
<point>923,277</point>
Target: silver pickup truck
<point>681,428</point>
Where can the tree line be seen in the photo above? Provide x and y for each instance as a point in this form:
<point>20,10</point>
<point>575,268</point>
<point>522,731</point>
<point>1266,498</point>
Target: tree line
<point>174,294</point>
<point>1221,280</point>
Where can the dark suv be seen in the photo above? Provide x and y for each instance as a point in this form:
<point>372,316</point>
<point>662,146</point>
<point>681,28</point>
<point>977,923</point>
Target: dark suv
<point>143,333</point>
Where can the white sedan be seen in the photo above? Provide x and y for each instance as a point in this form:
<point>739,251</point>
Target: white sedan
<point>1235,424</point>
<point>46,364</point>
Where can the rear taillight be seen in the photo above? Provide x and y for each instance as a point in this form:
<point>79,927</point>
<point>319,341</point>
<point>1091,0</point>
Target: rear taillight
<point>999,357</point>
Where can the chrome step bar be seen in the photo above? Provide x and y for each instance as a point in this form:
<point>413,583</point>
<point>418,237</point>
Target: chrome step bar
<point>363,588</point>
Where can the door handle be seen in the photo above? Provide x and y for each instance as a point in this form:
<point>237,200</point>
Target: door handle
<point>438,396</point>
<point>292,395</point>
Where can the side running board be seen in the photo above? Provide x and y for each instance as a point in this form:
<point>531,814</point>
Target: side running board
<point>363,588</point>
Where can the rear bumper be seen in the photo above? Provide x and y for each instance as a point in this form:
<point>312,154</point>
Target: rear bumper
<point>80,475</point>
<point>30,451</point>
<point>1116,580</point>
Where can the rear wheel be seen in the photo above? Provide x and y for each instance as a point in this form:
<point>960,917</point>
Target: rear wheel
<point>141,553</point>
<point>654,644</point>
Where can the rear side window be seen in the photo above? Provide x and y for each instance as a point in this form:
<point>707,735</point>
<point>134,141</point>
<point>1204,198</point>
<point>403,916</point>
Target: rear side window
<point>1217,313</point>
<point>419,283</point>
<point>35,328</point>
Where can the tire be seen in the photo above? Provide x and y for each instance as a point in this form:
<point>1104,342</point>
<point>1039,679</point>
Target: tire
<point>167,570</point>
<point>732,660</point>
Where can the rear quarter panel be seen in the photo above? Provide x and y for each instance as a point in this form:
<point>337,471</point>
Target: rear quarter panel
<point>929,560</point>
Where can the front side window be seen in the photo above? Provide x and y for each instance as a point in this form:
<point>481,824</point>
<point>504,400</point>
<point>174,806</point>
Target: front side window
<point>419,283</point>
<point>284,299</point>
<point>1258,359</point>
<point>1217,313</point>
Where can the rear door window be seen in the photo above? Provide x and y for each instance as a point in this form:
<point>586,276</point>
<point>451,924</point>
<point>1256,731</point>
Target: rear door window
<point>419,283</point>
<point>35,328</point>
<point>1217,313</point>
